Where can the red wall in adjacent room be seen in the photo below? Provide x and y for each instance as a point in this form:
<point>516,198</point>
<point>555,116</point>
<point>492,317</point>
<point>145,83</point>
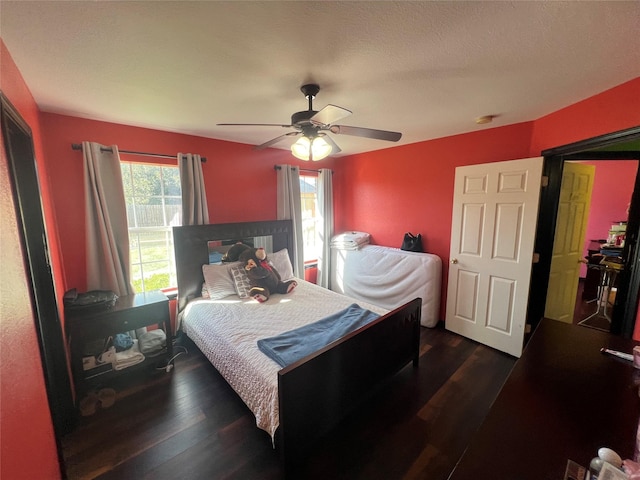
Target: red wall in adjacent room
<point>612,189</point>
<point>27,446</point>
<point>240,182</point>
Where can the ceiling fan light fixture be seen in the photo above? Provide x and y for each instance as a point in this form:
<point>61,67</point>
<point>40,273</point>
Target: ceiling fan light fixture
<point>314,149</point>
<point>312,124</point>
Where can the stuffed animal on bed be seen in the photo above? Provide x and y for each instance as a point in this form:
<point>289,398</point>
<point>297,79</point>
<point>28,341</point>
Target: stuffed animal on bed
<point>263,276</point>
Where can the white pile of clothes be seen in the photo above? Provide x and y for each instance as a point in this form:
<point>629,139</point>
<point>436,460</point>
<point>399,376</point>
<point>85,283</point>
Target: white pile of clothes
<point>128,357</point>
<point>350,240</point>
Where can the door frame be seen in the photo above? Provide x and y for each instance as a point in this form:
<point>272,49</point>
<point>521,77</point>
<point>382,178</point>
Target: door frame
<point>624,313</point>
<point>18,144</point>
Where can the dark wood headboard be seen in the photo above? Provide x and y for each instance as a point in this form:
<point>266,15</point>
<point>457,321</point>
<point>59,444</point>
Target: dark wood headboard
<point>191,251</point>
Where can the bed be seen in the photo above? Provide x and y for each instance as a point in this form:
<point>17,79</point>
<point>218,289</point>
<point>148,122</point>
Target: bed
<point>300,402</point>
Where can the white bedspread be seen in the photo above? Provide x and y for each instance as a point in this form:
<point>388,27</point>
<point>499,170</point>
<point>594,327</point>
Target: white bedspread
<point>389,277</point>
<point>227,331</point>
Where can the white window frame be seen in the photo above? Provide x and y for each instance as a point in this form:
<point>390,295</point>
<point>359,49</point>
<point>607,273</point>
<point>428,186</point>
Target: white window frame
<point>310,224</point>
<point>166,229</point>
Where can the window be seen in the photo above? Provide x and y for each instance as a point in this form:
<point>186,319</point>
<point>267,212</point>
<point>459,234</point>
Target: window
<point>154,204</point>
<point>309,207</point>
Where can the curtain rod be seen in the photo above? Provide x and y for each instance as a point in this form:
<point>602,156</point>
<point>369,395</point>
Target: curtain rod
<point>78,146</point>
<point>278,167</point>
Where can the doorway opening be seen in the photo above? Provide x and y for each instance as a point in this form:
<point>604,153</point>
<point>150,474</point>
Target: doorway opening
<point>622,145</point>
<point>603,242</point>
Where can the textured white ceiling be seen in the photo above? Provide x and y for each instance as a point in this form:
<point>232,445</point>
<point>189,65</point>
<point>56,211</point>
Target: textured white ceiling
<point>426,69</point>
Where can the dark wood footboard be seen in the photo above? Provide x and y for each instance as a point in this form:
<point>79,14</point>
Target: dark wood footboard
<point>318,391</point>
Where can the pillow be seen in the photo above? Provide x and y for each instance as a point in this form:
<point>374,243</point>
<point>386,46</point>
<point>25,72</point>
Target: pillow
<point>282,263</point>
<point>241,281</point>
<point>218,280</point>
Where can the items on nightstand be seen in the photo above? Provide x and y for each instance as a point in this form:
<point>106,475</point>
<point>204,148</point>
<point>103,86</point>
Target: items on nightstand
<point>123,352</point>
<point>94,300</point>
<point>122,342</point>
<point>152,342</point>
<point>101,363</point>
<point>100,348</point>
<point>108,356</point>
<point>128,358</point>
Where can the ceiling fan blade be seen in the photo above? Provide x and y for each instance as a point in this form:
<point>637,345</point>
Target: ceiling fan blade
<point>274,140</point>
<point>330,114</point>
<point>253,125</point>
<point>334,146</point>
<point>366,132</point>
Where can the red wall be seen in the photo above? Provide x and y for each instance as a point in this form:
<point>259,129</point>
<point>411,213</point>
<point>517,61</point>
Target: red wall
<point>612,110</point>
<point>410,188</point>
<point>28,448</point>
<point>240,182</point>
<point>612,189</point>
<point>386,193</point>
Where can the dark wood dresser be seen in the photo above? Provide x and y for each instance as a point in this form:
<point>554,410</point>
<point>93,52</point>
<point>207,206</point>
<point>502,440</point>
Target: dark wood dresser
<point>563,400</point>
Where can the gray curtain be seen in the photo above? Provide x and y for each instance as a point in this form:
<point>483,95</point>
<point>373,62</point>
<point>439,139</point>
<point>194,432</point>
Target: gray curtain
<point>194,196</point>
<point>107,233</point>
<point>325,210</point>
<point>289,207</point>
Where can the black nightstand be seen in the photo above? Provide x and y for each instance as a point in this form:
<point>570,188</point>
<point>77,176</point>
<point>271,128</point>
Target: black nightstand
<point>129,313</point>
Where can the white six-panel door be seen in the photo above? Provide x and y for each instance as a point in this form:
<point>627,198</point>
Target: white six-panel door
<point>495,211</point>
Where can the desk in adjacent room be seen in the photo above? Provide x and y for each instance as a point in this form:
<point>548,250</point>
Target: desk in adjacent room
<point>563,400</point>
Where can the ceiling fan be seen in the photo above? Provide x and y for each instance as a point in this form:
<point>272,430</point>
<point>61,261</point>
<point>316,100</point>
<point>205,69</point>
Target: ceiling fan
<point>313,125</point>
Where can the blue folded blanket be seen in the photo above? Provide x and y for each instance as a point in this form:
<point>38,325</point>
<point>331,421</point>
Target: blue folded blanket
<point>293,345</point>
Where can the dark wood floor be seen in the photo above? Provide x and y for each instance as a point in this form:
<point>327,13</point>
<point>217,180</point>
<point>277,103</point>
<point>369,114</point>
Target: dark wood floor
<point>189,424</point>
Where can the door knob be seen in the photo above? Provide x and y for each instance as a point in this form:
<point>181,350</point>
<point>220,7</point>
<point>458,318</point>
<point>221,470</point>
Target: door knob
<point>454,260</point>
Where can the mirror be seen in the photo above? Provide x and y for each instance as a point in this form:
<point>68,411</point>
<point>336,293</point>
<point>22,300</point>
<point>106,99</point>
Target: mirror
<point>217,248</point>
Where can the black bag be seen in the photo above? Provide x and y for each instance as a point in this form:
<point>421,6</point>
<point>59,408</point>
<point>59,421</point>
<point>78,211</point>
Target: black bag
<point>412,243</point>
<point>94,300</point>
